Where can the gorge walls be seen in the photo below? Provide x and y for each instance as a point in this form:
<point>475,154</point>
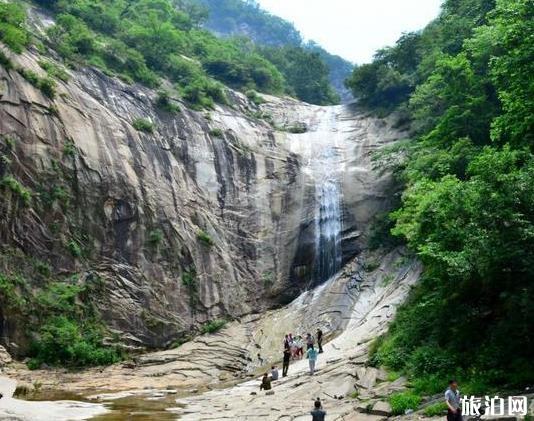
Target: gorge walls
<point>208,214</point>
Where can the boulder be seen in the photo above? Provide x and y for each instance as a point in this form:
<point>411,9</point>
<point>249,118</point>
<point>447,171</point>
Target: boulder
<point>381,408</point>
<point>366,377</point>
<point>5,358</point>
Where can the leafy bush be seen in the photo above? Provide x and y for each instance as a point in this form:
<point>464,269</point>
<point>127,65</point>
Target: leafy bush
<point>30,76</point>
<point>435,410</point>
<point>69,149</point>
<point>430,384</point>
<point>63,341</point>
<point>203,93</point>
<point>12,31</point>
<point>54,70</point>
<point>74,248</point>
<point>155,237</point>
<point>189,281</point>
<point>5,61</point>
<point>216,132</point>
<point>46,85</point>
<point>143,125</point>
<point>10,296</point>
<point>297,128</point>
<point>213,326</point>
<point>205,238</point>
<point>164,102</point>
<point>59,319</point>
<point>400,402</point>
<point>17,189</point>
<point>254,97</point>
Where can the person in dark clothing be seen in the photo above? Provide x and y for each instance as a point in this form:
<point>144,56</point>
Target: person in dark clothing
<point>320,340</point>
<point>452,399</point>
<point>285,364</point>
<point>265,382</point>
<point>318,413</point>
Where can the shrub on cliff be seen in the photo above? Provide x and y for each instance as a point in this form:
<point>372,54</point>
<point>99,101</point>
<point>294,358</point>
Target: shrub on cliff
<point>205,238</point>
<point>213,326</point>
<point>13,185</point>
<point>143,125</point>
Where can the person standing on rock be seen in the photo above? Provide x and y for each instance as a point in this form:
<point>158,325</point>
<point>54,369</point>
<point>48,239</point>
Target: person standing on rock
<point>286,342</point>
<point>452,399</point>
<point>285,363</point>
<point>265,382</point>
<point>311,354</point>
<point>318,413</point>
<point>320,340</point>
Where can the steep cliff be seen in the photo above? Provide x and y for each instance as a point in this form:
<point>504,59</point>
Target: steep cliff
<point>198,216</point>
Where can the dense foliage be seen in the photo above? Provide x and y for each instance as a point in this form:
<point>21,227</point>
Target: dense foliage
<point>12,29</point>
<point>468,206</point>
<point>305,71</point>
<point>141,40</point>
<point>325,70</point>
<point>60,318</point>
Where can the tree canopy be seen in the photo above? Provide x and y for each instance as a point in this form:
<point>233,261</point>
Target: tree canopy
<point>465,82</point>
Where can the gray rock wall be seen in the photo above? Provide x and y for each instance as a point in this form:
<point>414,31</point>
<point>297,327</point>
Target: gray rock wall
<point>139,201</point>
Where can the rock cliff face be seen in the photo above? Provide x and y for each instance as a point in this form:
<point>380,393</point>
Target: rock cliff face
<point>220,198</point>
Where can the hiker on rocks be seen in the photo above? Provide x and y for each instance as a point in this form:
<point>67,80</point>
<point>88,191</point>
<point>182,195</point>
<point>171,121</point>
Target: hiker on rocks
<point>311,354</point>
<point>274,373</point>
<point>286,342</point>
<point>285,364</point>
<point>318,413</point>
<point>452,399</point>
<point>260,360</point>
<point>309,341</point>
<point>265,382</point>
<point>320,340</point>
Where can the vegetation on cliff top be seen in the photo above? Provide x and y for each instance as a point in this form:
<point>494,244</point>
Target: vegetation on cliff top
<point>308,68</point>
<point>465,84</point>
<point>142,40</point>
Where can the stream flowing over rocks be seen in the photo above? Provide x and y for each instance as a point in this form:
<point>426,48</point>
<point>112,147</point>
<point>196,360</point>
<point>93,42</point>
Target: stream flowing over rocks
<point>287,213</point>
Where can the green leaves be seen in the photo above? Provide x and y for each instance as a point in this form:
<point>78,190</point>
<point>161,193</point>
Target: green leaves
<point>12,30</point>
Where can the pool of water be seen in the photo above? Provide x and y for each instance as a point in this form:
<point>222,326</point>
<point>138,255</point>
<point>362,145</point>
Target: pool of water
<point>135,407</point>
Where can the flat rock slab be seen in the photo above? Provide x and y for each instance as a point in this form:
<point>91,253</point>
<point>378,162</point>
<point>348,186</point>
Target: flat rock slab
<point>381,408</point>
<point>366,377</point>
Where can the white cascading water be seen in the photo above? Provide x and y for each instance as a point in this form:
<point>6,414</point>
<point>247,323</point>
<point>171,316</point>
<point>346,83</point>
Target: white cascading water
<point>327,230</point>
<point>324,167</point>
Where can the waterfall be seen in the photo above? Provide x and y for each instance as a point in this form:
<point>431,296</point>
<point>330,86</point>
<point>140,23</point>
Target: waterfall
<point>324,167</point>
<point>327,230</point>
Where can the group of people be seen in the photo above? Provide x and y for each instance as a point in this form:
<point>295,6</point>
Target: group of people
<point>294,349</point>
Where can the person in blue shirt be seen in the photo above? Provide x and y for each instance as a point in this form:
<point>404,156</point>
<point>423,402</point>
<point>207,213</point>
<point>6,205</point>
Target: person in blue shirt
<point>311,353</point>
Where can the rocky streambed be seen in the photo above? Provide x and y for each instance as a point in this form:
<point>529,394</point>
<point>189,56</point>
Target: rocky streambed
<point>216,376</point>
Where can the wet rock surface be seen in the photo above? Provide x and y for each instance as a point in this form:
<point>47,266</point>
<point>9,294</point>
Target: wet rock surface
<point>20,410</point>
